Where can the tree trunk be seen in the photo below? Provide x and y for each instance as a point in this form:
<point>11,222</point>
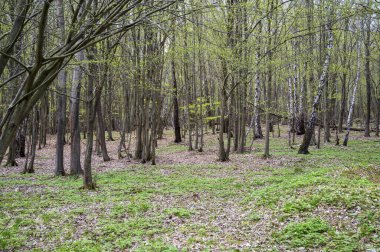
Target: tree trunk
<point>12,155</point>
<point>44,118</point>
<point>269,85</point>
<point>343,79</point>
<point>223,156</point>
<point>101,137</point>
<point>20,140</point>
<point>352,103</point>
<point>22,8</point>
<point>61,99</point>
<point>29,166</point>
<point>91,115</point>
<point>326,114</point>
<point>304,148</point>
<point>75,165</point>
<point>176,124</point>
<point>257,130</point>
<point>291,112</point>
<point>108,102</point>
<point>368,75</point>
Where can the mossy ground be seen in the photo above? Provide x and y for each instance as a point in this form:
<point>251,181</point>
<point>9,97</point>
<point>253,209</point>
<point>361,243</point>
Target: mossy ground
<point>326,201</point>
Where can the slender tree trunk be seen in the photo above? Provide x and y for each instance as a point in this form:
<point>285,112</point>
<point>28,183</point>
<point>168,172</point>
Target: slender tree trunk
<point>368,75</point>
<point>322,82</point>
<point>326,117</point>
<point>291,113</point>
<point>125,126</point>
<point>301,117</point>
<point>258,133</point>
<point>155,119</point>
<point>257,130</point>
<point>269,85</point>
<point>29,166</point>
<point>177,127</point>
<point>108,102</point>
<point>13,70</point>
<point>188,102</point>
<point>344,79</point>
<point>101,138</point>
<point>91,115</point>
<point>20,140</point>
<point>61,99</point>
<point>352,103</point>
<point>223,156</point>
<point>75,165</point>
<point>44,118</point>
<point>202,81</point>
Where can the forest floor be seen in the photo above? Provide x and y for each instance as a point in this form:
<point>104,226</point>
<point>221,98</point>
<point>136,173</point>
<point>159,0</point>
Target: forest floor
<point>326,201</point>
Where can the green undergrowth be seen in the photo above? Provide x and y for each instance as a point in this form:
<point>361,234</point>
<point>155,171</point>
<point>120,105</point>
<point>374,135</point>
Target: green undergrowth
<point>325,201</point>
<point>315,233</point>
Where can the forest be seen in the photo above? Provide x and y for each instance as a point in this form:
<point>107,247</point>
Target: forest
<point>189,125</point>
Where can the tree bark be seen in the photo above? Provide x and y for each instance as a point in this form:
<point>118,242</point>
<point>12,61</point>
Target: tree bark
<point>223,156</point>
<point>22,8</point>
<point>304,148</point>
<point>91,115</point>
<point>101,137</point>
<point>269,84</point>
<point>176,124</point>
<point>368,75</point>
<point>352,103</point>
<point>29,166</point>
<point>61,99</point>
<point>343,79</point>
<point>326,114</point>
<point>75,165</point>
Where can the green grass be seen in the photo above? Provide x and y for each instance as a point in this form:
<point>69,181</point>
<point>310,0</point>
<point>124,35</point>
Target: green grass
<point>311,233</point>
<point>315,233</point>
<point>142,209</point>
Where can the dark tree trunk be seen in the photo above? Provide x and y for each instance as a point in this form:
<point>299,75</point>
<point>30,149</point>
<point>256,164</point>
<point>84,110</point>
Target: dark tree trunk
<point>177,127</point>
<point>44,118</point>
<point>61,100</point>
<point>22,8</point>
<point>368,76</point>
<point>29,166</point>
<point>223,155</point>
<point>21,141</point>
<point>101,138</point>
<point>75,165</point>
<point>108,104</point>
<point>269,86</point>
<point>91,115</point>
<point>344,80</point>
<point>11,161</point>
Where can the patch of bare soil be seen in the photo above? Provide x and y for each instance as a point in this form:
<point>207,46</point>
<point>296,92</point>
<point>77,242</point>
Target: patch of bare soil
<point>338,217</point>
<point>214,221</point>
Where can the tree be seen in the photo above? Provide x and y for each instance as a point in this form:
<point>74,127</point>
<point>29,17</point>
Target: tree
<point>75,165</point>
<point>61,103</point>
<point>322,82</point>
<point>85,30</point>
<point>352,103</point>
